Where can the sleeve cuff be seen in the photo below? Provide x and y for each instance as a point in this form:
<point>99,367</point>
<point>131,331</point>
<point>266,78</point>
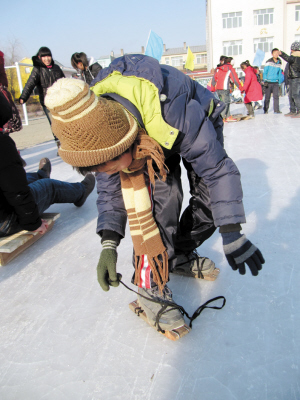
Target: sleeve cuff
<point>110,235</point>
<point>230,228</point>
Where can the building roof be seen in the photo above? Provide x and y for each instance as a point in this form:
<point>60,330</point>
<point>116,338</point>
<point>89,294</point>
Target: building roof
<point>168,52</point>
<point>181,50</point>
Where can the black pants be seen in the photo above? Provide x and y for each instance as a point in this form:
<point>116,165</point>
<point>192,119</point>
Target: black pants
<point>185,234</point>
<point>47,113</point>
<point>294,95</point>
<point>272,87</point>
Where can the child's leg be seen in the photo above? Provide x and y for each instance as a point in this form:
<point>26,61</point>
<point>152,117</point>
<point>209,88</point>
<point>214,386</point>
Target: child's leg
<point>196,223</point>
<point>50,191</point>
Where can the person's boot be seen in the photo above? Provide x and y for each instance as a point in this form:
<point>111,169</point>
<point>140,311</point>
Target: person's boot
<point>89,184</point>
<point>290,114</point>
<point>297,115</point>
<point>171,317</point>
<point>194,266</point>
<point>45,165</point>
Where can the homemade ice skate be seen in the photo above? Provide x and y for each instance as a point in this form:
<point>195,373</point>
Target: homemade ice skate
<point>12,246</point>
<point>174,334</point>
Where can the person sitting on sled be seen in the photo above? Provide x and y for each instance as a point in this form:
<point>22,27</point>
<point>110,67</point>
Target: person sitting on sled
<point>133,136</point>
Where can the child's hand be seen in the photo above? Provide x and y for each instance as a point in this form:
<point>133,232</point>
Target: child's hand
<point>43,228</point>
<point>107,266</point>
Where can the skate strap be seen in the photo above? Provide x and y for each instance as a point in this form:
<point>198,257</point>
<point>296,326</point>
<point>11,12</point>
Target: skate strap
<point>173,306</point>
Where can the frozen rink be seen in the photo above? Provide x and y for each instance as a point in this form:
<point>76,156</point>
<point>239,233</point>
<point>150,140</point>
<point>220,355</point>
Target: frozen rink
<point>63,338</point>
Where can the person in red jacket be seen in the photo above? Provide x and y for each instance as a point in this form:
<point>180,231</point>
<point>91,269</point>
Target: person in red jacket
<point>221,81</point>
<point>252,88</point>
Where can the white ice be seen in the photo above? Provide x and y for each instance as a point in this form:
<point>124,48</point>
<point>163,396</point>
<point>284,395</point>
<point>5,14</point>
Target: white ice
<point>63,338</point>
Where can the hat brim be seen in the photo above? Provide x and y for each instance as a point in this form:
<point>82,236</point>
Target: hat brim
<point>89,158</point>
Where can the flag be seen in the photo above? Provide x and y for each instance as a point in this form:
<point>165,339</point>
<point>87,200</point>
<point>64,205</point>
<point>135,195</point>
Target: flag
<point>189,64</point>
<point>258,58</point>
<point>155,46</point>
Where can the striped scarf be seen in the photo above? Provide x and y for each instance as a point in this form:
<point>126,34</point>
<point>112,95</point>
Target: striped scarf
<point>143,229</point>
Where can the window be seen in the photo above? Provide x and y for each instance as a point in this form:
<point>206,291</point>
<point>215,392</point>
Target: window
<point>297,13</point>
<point>297,38</point>
<point>232,20</point>
<point>27,70</point>
<point>177,61</point>
<point>201,59</point>
<point>264,44</point>
<point>239,72</point>
<point>263,17</point>
<point>167,60</point>
<point>232,48</point>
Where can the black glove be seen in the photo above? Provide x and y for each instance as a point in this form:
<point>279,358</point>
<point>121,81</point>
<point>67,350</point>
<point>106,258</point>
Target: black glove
<point>239,250</point>
<point>106,269</point>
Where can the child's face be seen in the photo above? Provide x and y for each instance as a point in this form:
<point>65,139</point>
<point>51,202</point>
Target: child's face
<point>46,60</point>
<point>275,54</point>
<point>114,166</point>
<point>80,66</point>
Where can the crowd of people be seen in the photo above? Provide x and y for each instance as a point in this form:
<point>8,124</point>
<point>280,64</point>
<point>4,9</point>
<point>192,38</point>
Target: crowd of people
<point>257,84</point>
<point>129,126</point>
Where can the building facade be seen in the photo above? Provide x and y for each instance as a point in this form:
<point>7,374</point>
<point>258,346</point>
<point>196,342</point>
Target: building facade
<point>171,56</point>
<point>237,29</point>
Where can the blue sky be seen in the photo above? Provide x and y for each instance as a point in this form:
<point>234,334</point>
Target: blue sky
<point>97,27</point>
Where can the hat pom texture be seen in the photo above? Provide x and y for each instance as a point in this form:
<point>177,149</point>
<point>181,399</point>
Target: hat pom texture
<point>91,130</point>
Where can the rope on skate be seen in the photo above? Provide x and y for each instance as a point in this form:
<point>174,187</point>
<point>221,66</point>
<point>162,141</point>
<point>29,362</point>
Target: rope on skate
<point>173,306</point>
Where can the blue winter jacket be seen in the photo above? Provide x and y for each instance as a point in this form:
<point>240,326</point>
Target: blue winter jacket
<point>186,106</point>
<point>273,71</point>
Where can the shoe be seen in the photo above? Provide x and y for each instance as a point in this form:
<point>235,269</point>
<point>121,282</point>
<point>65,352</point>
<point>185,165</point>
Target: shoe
<point>45,165</point>
<point>171,318</point>
<point>256,107</point>
<point>231,119</point>
<point>259,107</point>
<point>195,266</point>
<point>290,114</point>
<point>89,183</point>
<point>297,115</point>
<point>277,112</point>
<point>265,112</point>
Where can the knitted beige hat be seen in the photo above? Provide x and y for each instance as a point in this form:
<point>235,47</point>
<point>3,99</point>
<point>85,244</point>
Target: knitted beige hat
<point>91,130</point>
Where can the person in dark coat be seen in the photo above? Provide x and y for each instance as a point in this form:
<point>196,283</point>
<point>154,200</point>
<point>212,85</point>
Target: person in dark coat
<point>293,75</point>
<point>25,196</point>
<point>133,136</point>
<point>44,73</point>
<point>89,69</point>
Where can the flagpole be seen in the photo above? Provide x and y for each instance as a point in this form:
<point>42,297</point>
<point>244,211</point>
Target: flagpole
<point>148,40</point>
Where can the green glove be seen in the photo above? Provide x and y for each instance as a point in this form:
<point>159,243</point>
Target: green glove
<point>106,269</point>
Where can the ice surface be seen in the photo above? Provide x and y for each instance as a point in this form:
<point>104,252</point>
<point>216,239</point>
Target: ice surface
<point>63,338</point>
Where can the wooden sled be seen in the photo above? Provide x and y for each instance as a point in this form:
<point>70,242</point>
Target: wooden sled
<point>175,334</point>
<point>241,117</point>
<point>12,246</point>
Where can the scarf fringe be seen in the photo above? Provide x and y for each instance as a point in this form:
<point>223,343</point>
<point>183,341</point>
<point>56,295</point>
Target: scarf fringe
<point>159,269</point>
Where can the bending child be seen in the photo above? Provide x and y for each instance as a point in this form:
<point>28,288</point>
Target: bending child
<point>132,136</point>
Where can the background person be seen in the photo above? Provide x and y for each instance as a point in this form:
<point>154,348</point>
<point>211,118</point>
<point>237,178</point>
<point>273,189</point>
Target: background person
<point>272,77</point>
<point>44,73</point>
<point>221,81</point>
<point>89,69</point>
<point>251,87</point>
<point>293,78</point>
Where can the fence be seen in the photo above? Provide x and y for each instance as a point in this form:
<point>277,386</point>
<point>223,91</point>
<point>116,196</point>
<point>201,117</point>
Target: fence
<point>17,66</point>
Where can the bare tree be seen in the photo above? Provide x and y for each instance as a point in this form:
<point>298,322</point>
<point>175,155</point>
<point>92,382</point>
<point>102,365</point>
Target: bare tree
<point>12,54</point>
